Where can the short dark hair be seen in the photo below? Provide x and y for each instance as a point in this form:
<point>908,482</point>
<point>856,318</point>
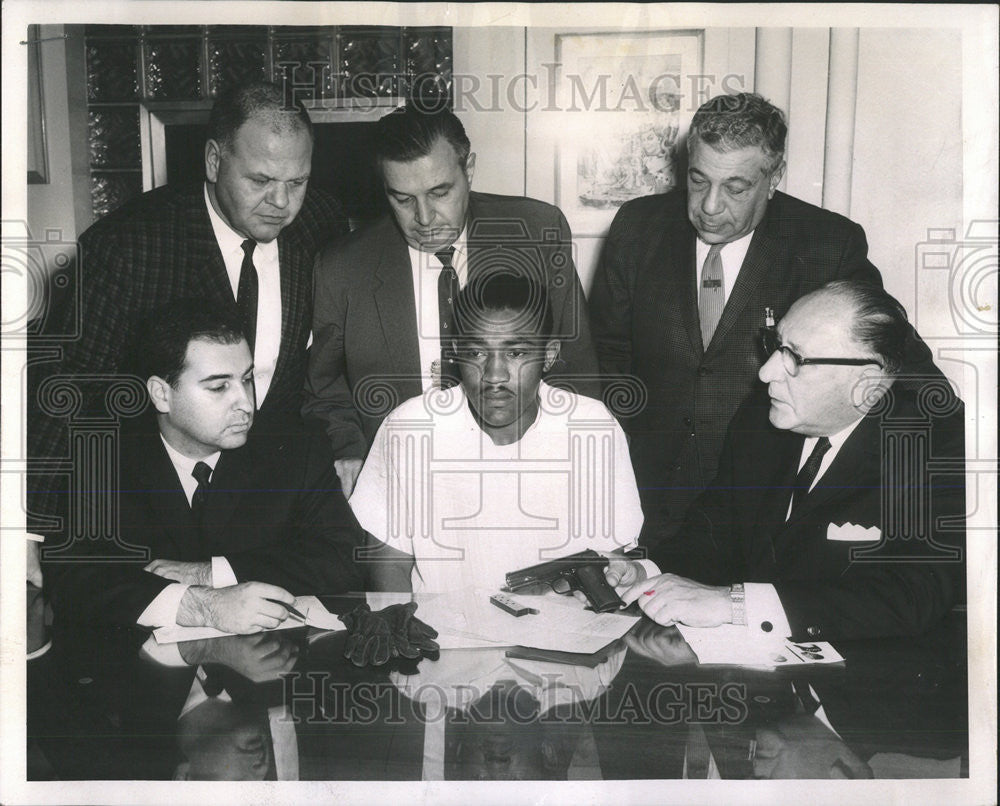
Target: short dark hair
<point>237,105</point>
<point>731,122</point>
<point>880,322</point>
<point>163,343</point>
<point>410,132</point>
<point>504,290</point>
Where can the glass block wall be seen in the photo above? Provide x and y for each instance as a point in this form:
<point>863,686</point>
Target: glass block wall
<point>128,64</point>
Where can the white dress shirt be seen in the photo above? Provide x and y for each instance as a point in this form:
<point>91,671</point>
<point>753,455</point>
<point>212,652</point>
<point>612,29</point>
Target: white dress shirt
<point>267,342</point>
<point>426,270</point>
<point>731,254</point>
<point>162,611</point>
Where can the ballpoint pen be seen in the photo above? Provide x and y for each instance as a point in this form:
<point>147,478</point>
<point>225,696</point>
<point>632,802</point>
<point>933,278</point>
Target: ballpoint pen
<point>291,610</point>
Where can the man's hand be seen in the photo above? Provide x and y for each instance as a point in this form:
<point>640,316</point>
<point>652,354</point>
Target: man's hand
<point>670,599</point>
<point>185,573</point>
<point>240,609</point>
<point>622,571</point>
<point>347,472</point>
<point>33,568</point>
<point>259,658</point>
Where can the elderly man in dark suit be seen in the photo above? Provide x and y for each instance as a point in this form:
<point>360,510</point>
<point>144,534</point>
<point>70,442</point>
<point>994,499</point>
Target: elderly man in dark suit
<point>245,239</point>
<point>231,529</point>
<point>838,508</point>
<point>384,295</point>
<point>684,286</point>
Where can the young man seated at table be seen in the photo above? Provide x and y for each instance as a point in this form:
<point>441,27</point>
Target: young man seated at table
<point>839,508</point>
<point>467,483</point>
<point>234,529</point>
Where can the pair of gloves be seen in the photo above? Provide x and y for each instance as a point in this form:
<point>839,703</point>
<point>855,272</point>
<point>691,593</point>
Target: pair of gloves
<point>374,638</point>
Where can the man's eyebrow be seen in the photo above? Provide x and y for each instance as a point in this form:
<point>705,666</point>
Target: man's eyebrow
<point>442,186</point>
<point>219,376</point>
<point>268,178</point>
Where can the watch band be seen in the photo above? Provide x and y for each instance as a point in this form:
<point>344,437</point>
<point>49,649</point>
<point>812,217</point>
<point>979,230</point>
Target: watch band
<point>737,598</point>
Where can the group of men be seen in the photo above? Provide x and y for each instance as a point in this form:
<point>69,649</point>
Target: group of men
<point>415,405</point>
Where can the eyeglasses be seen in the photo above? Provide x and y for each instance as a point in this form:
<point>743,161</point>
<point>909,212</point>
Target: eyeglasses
<point>792,361</point>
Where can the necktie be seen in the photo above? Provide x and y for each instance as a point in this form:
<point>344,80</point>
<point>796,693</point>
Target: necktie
<point>807,475</point>
<point>712,298</point>
<point>447,291</point>
<point>246,294</point>
<point>202,472</point>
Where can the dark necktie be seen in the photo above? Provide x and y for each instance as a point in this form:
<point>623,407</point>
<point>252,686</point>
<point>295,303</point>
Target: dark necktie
<point>246,294</point>
<point>202,472</point>
<point>712,298</point>
<point>807,475</point>
<point>447,291</point>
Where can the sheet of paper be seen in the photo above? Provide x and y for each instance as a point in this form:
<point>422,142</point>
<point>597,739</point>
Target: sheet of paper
<point>733,644</point>
<point>466,619</point>
<point>311,607</point>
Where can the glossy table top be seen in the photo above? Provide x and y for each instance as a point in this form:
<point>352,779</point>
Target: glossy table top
<point>287,705</point>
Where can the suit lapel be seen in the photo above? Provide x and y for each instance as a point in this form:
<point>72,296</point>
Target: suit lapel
<point>856,465</point>
<point>155,479</point>
<point>394,298</point>
<point>230,481</point>
<point>767,248</point>
<point>201,240</point>
<point>672,257</point>
<point>295,289</point>
<point>769,523</point>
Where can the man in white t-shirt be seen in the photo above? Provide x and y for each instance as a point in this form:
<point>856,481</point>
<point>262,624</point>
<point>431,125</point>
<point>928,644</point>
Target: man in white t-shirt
<point>501,472</point>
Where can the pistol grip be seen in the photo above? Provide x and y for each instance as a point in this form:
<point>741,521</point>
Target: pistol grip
<point>599,593</point>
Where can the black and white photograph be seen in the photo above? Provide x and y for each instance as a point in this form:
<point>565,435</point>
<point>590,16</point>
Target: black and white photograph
<point>502,403</point>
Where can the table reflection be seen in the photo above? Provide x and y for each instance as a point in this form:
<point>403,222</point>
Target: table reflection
<point>288,706</point>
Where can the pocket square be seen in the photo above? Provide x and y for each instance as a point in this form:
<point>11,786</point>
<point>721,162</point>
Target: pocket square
<point>852,532</point>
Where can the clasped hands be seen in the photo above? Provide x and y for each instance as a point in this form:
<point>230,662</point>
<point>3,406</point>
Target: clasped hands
<point>669,599</point>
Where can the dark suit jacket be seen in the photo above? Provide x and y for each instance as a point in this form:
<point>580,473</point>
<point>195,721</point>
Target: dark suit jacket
<point>365,358</point>
<point>644,314</point>
<point>161,247</point>
<point>274,510</point>
<point>901,471</point>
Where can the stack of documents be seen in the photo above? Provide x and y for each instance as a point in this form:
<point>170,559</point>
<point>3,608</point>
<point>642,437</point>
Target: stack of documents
<point>466,619</point>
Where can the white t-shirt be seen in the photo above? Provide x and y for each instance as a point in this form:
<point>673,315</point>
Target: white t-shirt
<point>436,487</point>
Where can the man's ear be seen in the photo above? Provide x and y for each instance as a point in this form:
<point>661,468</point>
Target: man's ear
<point>551,353</point>
<point>159,392</point>
<point>470,166</point>
<point>775,179</point>
<point>213,156</point>
<point>873,384</point>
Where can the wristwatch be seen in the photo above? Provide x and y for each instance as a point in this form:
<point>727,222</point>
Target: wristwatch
<point>737,598</point>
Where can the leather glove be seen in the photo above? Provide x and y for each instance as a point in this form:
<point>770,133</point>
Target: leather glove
<point>374,638</point>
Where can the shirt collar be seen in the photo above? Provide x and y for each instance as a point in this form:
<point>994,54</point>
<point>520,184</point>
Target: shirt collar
<point>739,244</point>
<point>184,465</point>
<point>419,258</point>
<point>229,240</point>
<point>838,439</point>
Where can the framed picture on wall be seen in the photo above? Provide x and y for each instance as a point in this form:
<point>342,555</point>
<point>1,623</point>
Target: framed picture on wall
<point>624,99</point>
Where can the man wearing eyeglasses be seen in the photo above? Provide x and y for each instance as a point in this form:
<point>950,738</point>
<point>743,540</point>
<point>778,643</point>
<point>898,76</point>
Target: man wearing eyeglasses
<point>681,291</point>
<point>825,520</point>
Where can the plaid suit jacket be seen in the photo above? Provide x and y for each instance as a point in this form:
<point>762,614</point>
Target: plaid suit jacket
<point>158,248</point>
<point>644,317</point>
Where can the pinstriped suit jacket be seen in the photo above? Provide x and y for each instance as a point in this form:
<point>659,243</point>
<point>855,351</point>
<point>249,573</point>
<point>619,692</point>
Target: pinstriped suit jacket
<point>644,317</point>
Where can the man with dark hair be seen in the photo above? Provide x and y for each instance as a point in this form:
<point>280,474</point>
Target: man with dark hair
<point>466,483</point>
<point>234,529</point>
<point>244,239</point>
<point>384,295</point>
<point>686,281</point>
<point>838,509</point>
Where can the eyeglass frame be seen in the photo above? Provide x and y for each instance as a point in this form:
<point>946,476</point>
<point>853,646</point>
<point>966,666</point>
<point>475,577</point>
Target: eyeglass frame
<point>771,343</point>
